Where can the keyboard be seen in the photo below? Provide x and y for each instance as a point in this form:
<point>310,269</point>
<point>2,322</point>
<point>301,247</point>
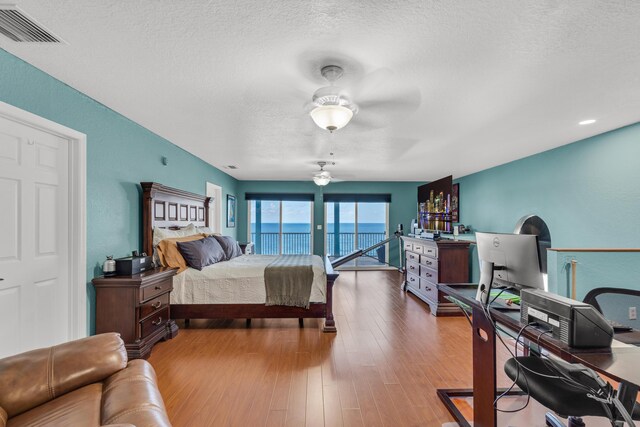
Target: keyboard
<point>500,304</point>
<point>504,300</point>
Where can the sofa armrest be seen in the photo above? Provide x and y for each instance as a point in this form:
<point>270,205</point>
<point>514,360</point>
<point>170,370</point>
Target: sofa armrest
<point>30,379</point>
<point>132,396</point>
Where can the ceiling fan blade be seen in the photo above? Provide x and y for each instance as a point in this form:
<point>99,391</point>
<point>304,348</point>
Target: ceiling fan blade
<point>371,83</point>
<point>384,99</point>
<point>382,113</point>
<point>406,102</point>
<point>280,90</point>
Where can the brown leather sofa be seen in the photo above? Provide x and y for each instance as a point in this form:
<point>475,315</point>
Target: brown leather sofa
<point>87,382</point>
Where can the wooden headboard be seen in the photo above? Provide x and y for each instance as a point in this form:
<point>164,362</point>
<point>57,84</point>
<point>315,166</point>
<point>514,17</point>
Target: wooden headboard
<point>167,207</point>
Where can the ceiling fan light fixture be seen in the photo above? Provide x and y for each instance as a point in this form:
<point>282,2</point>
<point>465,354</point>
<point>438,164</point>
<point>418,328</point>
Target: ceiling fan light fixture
<point>321,180</point>
<point>323,177</point>
<point>331,117</point>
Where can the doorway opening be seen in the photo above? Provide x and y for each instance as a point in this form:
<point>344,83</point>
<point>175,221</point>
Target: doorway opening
<point>215,207</point>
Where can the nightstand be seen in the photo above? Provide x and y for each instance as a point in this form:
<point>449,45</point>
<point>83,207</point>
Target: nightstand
<point>137,307</point>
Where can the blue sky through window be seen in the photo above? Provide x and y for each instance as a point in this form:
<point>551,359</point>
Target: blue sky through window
<point>372,213</point>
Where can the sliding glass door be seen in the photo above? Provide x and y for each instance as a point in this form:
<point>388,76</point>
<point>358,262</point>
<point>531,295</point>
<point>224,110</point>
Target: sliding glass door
<point>280,227</point>
<point>296,227</point>
<point>357,225</point>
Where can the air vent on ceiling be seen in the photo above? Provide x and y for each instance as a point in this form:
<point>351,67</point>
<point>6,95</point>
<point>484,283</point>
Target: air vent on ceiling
<point>20,27</point>
<point>232,167</point>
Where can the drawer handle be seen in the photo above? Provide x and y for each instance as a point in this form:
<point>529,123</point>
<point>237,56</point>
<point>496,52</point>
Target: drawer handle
<point>156,323</point>
<point>428,274</point>
<point>428,262</point>
<point>156,305</point>
<point>412,267</point>
<point>157,288</point>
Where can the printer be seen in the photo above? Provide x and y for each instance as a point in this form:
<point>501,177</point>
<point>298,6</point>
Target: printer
<point>575,323</point>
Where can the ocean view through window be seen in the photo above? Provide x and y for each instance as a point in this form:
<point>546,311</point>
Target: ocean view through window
<point>356,225</point>
<point>284,226</point>
<point>280,227</point>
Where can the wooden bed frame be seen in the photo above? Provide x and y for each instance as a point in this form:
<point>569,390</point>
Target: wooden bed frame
<point>167,207</point>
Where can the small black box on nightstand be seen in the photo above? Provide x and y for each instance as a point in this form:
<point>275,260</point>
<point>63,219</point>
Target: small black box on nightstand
<point>133,265</point>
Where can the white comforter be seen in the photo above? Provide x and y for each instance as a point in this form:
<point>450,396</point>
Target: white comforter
<point>239,281</point>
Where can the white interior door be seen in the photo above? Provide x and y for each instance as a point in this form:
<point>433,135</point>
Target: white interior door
<point>34,244</point>
<point>215,208</point>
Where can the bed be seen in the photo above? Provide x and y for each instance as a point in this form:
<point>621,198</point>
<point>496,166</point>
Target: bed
<point>195,294</point>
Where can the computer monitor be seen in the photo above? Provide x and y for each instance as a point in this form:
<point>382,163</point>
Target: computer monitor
<point>507,260</point>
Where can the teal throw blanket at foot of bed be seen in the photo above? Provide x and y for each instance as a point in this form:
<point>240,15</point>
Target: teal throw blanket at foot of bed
<point>288,280</point>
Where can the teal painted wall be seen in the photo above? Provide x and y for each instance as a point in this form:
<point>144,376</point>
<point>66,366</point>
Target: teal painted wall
<point>120,154</point>
<point>593,269</point>
<point>598,269</point>
<point>402,209</point>
<point>588,192</point>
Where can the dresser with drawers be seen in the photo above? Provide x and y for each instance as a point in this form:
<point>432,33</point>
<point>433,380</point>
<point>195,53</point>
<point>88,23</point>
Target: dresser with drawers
<point>137,307</point>
<point>429,262</point>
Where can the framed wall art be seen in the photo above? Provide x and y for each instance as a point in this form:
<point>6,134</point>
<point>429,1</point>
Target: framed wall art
<point>231,211</point>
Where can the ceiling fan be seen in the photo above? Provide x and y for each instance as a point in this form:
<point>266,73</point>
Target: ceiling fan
<point>322,177</point>
<point>382,99</point>
<point>333,87</point>
<point>332,108</point>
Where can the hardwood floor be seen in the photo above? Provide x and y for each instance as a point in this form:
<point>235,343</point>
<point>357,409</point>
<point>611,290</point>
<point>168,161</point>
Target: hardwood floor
<point>382,367</point>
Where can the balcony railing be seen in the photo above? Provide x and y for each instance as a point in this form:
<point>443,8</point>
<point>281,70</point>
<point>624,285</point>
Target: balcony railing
<point>346,242</point>
<point>300,243</point>
<point>292,243</point>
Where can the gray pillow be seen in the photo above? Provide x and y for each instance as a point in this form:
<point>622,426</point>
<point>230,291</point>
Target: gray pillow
<point>230,246</point>
<point>200,253</point>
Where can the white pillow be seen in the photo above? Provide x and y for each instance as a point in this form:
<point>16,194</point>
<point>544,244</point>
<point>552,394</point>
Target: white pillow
<point>165,233</point>
<point>207,230</point>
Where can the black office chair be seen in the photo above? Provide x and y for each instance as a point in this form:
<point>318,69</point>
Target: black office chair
<point>614,304</point>
<point>563,387</point>
<point>562,396</point>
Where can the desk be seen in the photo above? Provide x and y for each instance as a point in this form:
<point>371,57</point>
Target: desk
<point>619,363</point>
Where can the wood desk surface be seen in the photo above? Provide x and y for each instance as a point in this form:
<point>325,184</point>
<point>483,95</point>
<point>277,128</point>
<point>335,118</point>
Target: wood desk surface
<point>618,363</point>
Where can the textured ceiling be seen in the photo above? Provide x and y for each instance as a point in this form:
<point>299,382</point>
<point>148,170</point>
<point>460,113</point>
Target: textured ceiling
<point>468,84</point>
